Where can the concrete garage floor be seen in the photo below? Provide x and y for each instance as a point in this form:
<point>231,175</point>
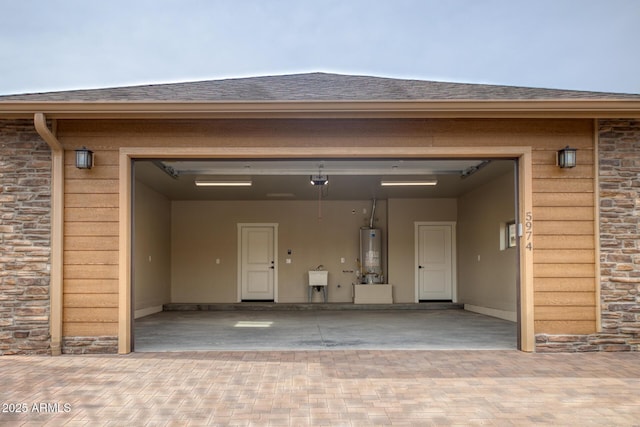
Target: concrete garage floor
<point>317,330</point>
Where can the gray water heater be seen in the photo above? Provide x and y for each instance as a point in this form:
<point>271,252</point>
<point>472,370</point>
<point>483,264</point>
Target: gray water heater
<point>370,255</point>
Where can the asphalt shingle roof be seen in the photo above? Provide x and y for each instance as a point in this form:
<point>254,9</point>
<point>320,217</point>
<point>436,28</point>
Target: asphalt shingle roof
<point>312,87</point>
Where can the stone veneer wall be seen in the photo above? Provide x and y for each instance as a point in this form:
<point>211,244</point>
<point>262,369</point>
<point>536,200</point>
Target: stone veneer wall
<point>619,165</point>
<point>90,345</point>
<point>25,235</point>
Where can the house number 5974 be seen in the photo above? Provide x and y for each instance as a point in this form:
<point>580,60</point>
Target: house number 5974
<point>528,230</point>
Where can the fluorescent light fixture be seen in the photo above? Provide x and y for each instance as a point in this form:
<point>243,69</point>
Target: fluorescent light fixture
<point>404,183</point>
<point>223,183</point>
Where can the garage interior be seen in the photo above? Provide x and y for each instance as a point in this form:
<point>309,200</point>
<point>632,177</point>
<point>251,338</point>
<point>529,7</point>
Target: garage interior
<point>186,253</point>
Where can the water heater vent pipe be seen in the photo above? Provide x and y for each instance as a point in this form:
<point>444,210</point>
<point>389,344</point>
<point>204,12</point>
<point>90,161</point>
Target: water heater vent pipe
<point>373,212</point>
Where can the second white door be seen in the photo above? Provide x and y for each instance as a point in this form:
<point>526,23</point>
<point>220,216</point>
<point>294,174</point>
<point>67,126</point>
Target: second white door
<point>434,259</point>
<point>257,267</point>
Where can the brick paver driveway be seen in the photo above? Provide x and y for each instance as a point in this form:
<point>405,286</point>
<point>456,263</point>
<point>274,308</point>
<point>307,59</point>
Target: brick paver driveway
<point>336,388</point>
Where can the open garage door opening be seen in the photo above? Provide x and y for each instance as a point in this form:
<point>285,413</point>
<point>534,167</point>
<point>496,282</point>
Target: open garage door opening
<point>410,254</point>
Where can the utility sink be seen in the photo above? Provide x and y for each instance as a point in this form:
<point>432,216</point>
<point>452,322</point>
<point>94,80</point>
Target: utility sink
<point>318,281</point>
<point>318,278</point>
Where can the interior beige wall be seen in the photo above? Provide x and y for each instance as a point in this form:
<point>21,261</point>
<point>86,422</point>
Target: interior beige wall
<point>402,215</point>
<point>206,231</point>
<point>152,269</point>
<point>488,282</point>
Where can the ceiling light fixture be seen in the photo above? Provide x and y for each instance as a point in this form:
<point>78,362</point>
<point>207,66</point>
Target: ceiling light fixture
<point>319,179</point>
<point>417,183</point>
<point>236,183</point>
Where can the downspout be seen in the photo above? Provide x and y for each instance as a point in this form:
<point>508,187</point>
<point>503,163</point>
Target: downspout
<point>57,224</point>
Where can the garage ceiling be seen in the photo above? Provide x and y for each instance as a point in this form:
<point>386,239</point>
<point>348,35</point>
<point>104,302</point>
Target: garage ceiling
<point>349,179</point>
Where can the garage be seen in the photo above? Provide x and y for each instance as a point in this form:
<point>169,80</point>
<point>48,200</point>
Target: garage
<point>447,252</point>
<point>100,263</point>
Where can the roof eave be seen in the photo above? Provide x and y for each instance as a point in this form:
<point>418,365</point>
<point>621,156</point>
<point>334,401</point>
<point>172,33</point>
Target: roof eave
<point>574,108</point>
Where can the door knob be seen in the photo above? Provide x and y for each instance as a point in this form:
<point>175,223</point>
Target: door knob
<point>420,266</point>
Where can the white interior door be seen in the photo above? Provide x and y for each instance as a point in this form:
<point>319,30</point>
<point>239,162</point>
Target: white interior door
<point>435,262</point>
<point>257,262</point>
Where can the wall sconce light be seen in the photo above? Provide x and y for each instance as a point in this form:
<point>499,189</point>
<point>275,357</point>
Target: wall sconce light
<point>84,158</point>
<point>566,158</point>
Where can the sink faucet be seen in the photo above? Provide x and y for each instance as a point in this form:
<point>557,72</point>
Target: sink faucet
<point>320,267</point>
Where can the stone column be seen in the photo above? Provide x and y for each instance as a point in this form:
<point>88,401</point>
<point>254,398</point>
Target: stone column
<point>25,207</point>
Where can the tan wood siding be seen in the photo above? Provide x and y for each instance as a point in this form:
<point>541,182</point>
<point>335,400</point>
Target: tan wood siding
<point>564,228</point>
<point>542,242</point>
<point>553,256</point>
<point>79,271</point>
<point>86,229</point>
<point>561,312</point>
<point>87,257</point>
<point>564,284</point>
<point>89,243</point>
<point>90,296</point>
<point>563,200</point>
<point>90,315</point>
<point>91,300</point>
<point>563,213</point>
<point>560,269</point>
<point>95,200</point>
<point>555,185</point>
<point>555,298</point>
<point>91,286</point>
<point>561,327</point>
<point>564,241</point>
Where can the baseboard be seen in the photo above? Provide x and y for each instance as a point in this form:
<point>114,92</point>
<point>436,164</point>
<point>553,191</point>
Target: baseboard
<point>147,311</point>
<point>493,312</point>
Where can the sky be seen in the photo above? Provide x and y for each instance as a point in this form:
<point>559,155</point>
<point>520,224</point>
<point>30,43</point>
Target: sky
<point>52,45</point>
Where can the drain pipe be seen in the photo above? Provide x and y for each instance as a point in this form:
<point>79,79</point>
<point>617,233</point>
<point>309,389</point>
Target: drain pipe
<point>57,224</point>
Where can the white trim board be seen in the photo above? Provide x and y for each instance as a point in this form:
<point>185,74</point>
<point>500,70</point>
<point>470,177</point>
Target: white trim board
<point>147,311</point>
<point>127,154</point>
<point>493,312</point>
